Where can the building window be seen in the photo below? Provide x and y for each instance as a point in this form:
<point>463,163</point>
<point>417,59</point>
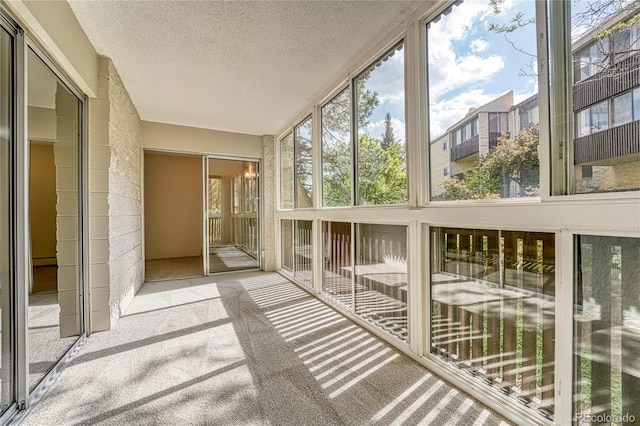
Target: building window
<point>303,164</point>
<point>492,313</point>
<point>622,109</point>
<point>529,118</point>
<point>625,42</point>
<point>594,119</point>
<point>381,171</point>
<point>444,146</point>
<point>336,151</point>
<point>445,172</point>
<point>592,59</point>
<point>468,67</point>
<point>607,327</point>
<point>286,172</point>
<point>599,117</point>
<point>605,103</point>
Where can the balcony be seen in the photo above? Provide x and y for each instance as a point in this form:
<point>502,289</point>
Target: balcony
<point>611,143</point>
<point>609,82</point>
<point>246,348</point>
<point>465,149</point>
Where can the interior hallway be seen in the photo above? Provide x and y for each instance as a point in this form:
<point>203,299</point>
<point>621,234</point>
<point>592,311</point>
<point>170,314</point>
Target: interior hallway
<point>246,348</point>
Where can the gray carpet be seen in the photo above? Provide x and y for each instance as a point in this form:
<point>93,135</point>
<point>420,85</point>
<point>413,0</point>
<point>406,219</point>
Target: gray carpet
<point>247,349</point>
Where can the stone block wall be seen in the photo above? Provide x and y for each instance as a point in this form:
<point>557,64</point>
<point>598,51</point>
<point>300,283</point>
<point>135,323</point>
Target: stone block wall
<point>269,187</point>
<point>115,200</point>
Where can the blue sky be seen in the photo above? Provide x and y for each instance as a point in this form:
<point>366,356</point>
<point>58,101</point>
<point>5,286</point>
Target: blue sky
<point>468,66</point>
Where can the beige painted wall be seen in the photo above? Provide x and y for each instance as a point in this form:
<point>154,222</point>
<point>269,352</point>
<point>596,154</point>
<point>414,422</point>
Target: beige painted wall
<point>190,139</point>
<point>42,198</point>
<point>172,205</point>
<point>58,29</point>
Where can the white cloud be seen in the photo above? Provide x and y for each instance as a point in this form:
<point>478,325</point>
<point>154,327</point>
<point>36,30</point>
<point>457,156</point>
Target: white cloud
<point>445,113</point>
<point>376,129</point>
<point>448,69</point>
<point>387,80</point>
<point>479,45</point>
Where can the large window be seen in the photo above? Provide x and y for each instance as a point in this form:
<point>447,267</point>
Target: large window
<point>607,330</point>
<point>493,307</point>
<point>303,164</point>
<point>336,249</point>
<point>381,163</point>
<point>381,276</point>
<point>296,248</point>
<point>302,251</point>
<point>336,151</point>
<point>481,66</point>
<point>286,172</point>
<point>606,144</point>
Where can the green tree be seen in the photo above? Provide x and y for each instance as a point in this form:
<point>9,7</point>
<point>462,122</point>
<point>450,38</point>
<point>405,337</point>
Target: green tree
<point>336,142</point>
<point>382,177</point>
<point>388,138</point>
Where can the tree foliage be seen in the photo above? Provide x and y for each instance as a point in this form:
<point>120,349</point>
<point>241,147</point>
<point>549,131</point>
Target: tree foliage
<point>388,138</point>
<point>382,177</point>
<point>381,168</point>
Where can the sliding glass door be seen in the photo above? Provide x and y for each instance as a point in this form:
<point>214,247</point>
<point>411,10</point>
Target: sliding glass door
<point>231,218</point>
<point>6,293</point>
<point>41,219</point>
<point>54,308</point>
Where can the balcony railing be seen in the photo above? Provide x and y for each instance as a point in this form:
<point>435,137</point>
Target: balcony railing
<point>610,143</point>
<point>465,149</point>
<point>609,82</point>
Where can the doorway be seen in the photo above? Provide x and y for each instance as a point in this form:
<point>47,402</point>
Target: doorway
<point>172,211</point>
<point>232,215</point>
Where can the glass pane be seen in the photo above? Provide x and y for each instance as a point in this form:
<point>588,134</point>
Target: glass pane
<point>336,151</point>
<point>381,276</point>
<point>215,210</point>
<point>286,172</point>
<point>336,248</point>
<point>304,164</point>
<point>493,309</point>
<point>636,104</point>
<point>622,109</point>
<point>481,62</point>
<point>600,117</point>
<point>6,139</point>
<point>286,245</point>
<point>584,122</point>
<point>233,218</point>
<point>303,252</point>
<point>605,43</point>
<point>381,172</point>
<point>54,313</point>
<point>607,330</point>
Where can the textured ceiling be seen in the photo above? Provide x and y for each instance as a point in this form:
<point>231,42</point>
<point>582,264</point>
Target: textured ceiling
<point>238,66</point>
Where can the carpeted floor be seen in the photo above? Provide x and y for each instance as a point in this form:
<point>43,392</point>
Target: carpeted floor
<point>173,268</point>
<point>246,348</point>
